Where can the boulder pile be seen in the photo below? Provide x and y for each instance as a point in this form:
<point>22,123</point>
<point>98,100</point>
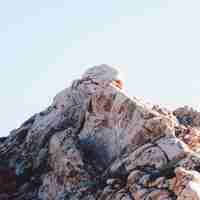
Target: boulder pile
<point>94,142</point>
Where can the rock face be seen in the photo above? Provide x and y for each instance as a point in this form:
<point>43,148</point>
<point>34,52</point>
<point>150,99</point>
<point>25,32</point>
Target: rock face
<point>96,143</point>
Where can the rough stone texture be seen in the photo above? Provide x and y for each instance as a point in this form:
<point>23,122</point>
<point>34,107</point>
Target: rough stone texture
<point>188,116</point>
<point>96,142</point>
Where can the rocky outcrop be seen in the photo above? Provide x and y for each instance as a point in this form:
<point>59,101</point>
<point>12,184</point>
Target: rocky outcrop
<point>96,142</point>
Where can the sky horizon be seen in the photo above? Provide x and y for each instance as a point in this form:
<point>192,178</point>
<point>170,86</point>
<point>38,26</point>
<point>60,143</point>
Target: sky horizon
<point>46,44</point>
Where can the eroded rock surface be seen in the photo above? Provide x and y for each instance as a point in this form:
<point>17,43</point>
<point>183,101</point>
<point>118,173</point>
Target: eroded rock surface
<point>96,143</point>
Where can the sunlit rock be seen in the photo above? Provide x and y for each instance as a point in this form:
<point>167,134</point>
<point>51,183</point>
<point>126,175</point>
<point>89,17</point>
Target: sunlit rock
<point>96,142</point>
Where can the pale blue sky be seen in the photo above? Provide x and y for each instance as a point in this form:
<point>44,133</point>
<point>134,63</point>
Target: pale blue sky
<point>46,43</point>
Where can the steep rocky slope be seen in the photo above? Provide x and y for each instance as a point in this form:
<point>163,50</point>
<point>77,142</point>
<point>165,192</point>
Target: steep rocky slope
<point>95,142</point>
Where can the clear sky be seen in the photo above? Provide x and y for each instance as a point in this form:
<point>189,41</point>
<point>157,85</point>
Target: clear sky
<point>46,43</point>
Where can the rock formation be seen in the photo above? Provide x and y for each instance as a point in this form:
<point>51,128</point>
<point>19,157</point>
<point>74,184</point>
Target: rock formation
<point>96,143</point>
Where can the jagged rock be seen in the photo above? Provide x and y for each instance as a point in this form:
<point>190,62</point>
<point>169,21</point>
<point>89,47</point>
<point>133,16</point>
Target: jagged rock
<point>186,184</point>
<point>188,116</point>
<point>96,142</point>
<point>191,192</point>
<point>190,136</point>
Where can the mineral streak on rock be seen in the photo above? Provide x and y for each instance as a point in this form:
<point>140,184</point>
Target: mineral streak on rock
<point>96,143</point>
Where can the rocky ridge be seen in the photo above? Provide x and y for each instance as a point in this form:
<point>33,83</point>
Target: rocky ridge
<point>94,142</point>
